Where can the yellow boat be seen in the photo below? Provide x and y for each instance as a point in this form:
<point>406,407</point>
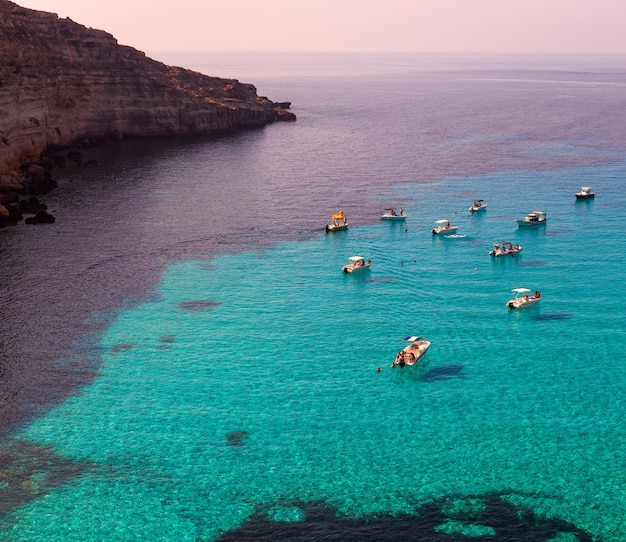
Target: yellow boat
<point>338,222</point>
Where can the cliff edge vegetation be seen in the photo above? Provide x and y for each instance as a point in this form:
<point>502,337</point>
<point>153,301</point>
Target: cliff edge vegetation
<point>62,83</point>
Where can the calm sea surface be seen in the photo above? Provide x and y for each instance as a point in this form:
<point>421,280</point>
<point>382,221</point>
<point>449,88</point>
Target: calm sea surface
<point>182,358</point>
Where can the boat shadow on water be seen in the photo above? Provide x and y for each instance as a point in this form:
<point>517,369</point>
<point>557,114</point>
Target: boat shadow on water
<point>532,263</point>
<point>378,280</point>
<point>423,373</point>
<point>551,317</point>
<point>444,372</point>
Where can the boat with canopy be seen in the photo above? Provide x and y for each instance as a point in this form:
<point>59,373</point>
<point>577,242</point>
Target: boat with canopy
<point>536,218</point>
<point>443,227</point>
<point>585,193</point>
<point>522,298</point>
<point>478,205</point>
<point>504,248</point>
<point>357,263</point>
<point>412,353</point>
<point>390,213</point>
<point>338,222</point>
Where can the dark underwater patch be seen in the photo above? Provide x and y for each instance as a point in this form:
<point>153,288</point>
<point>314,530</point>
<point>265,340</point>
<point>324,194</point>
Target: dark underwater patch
<point>29,471</point>
<point>166,341</point>
<point>198,305</point>
<point>552,316</point>
<point>379,279</point>
<point>448,519</point>
<point>445,372</point>
<point>236,438</point>
<point>532,263</point>
<point>120,347</point>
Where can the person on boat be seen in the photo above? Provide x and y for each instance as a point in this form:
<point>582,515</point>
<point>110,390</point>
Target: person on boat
<point>401,211</point>
<point>448,224</point>
<point>537,294</point>
<point>399,362</point>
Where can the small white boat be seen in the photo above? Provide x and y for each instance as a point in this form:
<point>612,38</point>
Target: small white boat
<point>522,299</point>
<point>357,263</point>
<point>536,218</point>
<point>478,205</point>
<point>412,353</point>
<point>504,248</point>
<point>585,193</point>
<point>390,213</point>
<point>338,222</point>
<point>442,227</point>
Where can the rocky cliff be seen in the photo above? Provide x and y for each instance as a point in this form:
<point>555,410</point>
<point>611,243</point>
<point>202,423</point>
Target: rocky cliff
<point>61,82</point>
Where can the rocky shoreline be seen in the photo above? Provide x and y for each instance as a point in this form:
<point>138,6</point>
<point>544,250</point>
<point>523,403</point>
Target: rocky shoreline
<point>64,87</point>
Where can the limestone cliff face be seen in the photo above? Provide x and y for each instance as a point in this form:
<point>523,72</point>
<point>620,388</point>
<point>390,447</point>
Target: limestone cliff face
<point>61,82</point>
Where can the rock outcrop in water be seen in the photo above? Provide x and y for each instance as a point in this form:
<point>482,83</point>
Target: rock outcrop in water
<point>62,83</point>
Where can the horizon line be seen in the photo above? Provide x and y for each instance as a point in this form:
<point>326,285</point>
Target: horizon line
<point>335,52</point>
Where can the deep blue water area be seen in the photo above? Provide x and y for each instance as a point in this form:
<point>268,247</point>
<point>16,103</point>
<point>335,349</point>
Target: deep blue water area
<point>186,360</point>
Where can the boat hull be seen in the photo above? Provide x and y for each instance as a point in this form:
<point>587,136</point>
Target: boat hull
<point>522,303</point>
<point>332,227</point>
<point>445,231</point>
<point>350,268</point>
<point>392,217</point>
<point>511,252</point>
<point>499,253</point>
<point>411,354</point>
<point>585,192</point>
<point>536,218</point>
<point>530,224</point>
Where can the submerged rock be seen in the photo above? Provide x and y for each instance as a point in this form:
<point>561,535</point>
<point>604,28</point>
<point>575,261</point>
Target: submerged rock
<point>198,305</point>
<point>236,438</point>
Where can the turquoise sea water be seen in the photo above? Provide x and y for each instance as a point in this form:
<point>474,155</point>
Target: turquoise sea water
<point>245,385</point>
<point>251,380</point>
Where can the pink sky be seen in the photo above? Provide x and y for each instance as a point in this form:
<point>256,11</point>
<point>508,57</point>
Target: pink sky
<point>526,26</point>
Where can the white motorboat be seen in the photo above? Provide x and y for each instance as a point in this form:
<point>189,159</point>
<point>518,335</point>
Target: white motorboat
<point>536,218</point>
<point>412,353</point>
<point>443,227</point>
<point>504,248</point>
<point>390,213</point>
<point>478,205</point>
<point>357,263</point>
<point>338,222</point>
<point>522,299</point>
<point>585,193</point>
